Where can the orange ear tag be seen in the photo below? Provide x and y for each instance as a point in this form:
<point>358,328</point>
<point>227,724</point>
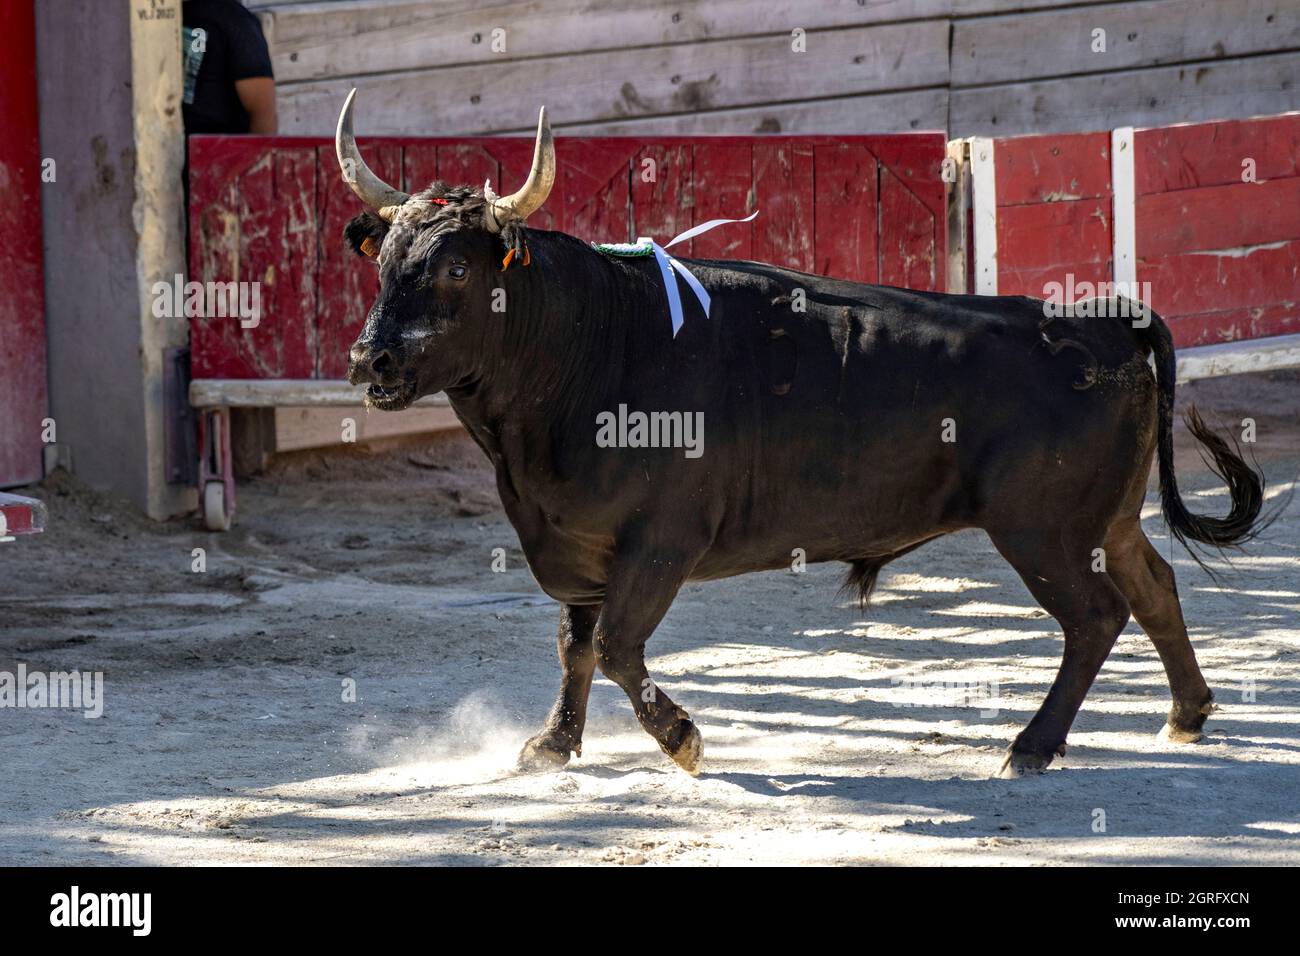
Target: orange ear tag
<point>505,263</point>
<point>369,247</point>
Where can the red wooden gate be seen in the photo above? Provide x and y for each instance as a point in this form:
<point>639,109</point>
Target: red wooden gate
<point>272,209</point>
<point>1215,213</point>
<point>22,289</point>
<point>1218,226</point>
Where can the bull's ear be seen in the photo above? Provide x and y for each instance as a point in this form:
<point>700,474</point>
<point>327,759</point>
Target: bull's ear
<point>365,234</point>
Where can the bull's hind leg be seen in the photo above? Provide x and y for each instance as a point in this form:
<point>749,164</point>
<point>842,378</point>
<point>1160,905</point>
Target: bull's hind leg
<point>1057,569</point>
<point>1147,580</point>
<point>562,733</point>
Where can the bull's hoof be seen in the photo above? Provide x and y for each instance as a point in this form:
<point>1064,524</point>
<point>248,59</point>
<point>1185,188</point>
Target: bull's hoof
<point>1185,723</point>
<point>542,753</point>
<point>1180,735</point>
<point>1022,763</point>
<point>690,754</point>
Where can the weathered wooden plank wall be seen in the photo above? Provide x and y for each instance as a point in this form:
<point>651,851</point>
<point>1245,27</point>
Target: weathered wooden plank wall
<point>272,209</point>
<point>665,67</point>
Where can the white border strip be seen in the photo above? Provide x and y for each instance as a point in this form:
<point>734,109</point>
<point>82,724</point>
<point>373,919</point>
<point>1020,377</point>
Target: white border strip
<point>984,209</point>
<point>1123,211</point>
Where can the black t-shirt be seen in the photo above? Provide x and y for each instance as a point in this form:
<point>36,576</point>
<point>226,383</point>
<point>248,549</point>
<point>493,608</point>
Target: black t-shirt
<point>221,42</point>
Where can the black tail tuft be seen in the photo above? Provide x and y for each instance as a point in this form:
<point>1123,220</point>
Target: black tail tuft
<point>861,578</point>
<point>1245,483</point>
<point>1245,488</point>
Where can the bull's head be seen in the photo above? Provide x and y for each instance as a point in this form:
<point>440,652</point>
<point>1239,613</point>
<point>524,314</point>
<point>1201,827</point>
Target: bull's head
<point>438,253</point>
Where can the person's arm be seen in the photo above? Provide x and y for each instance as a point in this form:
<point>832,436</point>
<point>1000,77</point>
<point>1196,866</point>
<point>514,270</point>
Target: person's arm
<point>257,94</point>
<point>250,69</point>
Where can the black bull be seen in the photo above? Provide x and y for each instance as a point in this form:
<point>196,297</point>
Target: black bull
<point>854,422</point>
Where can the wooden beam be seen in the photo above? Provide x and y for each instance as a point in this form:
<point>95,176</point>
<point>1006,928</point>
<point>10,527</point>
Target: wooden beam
<point>912,111</point>
<point>299,428</point>
<point>1152,97</point>
<point>1235,358</point>
<point>279,393</point>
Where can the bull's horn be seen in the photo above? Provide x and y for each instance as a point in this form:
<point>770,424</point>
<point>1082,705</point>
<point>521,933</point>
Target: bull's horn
<point>372,190</point>
<point>540,180</point>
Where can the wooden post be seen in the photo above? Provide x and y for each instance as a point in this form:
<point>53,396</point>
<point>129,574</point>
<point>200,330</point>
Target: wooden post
<point>958,201</point>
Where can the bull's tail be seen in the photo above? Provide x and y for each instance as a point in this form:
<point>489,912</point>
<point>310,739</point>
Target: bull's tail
<point>1245,483</point>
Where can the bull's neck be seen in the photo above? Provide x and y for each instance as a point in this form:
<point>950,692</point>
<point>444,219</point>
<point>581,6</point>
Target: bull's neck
<point>565,341</point>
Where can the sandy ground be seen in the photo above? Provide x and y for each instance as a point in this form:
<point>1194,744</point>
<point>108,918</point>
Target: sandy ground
<point>831,735</point>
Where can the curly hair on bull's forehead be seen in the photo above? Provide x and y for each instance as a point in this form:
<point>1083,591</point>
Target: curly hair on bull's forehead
<point>425,217</point>
<point>459,206</point>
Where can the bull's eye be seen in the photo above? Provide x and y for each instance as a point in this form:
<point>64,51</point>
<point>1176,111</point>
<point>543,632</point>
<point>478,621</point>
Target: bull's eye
<point>457,272</point>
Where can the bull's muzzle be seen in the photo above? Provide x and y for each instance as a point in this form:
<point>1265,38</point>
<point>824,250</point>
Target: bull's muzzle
<point>370,366</point>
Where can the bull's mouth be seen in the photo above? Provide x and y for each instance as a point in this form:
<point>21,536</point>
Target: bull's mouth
<point>390,398</point>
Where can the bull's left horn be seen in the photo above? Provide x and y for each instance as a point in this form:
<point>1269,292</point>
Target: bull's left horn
<point>538,186</point>
<point>371,190</point>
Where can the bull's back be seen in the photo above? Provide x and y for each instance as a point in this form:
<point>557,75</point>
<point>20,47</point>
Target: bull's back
<point>893,415</point>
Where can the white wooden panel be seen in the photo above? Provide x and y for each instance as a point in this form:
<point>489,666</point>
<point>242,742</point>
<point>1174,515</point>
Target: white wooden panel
<point>984,210</point>
<point>1123,211</point>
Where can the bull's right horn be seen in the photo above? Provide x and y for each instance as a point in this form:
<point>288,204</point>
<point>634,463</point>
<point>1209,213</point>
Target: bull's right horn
<point>534,191</point>
<point>370,189</point>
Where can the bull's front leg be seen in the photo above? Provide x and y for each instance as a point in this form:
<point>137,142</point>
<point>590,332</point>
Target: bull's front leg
<point>642,585</point>
<point>562,733</point>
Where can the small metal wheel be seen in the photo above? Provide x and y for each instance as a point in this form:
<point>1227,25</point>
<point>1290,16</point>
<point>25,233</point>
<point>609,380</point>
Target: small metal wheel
<point>215,516</point>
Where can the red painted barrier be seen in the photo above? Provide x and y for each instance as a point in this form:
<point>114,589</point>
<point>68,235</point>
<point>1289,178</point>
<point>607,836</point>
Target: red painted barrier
<point>1221,254</point>
<point>1054,210</point>
<point>22,283</point>
<point>272,209</point>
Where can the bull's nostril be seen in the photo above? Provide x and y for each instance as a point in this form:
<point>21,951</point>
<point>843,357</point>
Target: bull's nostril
<point>382,365</point>
<point>378,367</point>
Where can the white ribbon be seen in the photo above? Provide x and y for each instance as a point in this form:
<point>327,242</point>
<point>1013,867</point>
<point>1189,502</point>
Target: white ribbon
<point>667,264</point>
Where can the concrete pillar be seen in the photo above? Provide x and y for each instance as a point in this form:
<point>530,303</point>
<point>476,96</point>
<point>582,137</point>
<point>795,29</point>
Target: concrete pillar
<point>110,96</point>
